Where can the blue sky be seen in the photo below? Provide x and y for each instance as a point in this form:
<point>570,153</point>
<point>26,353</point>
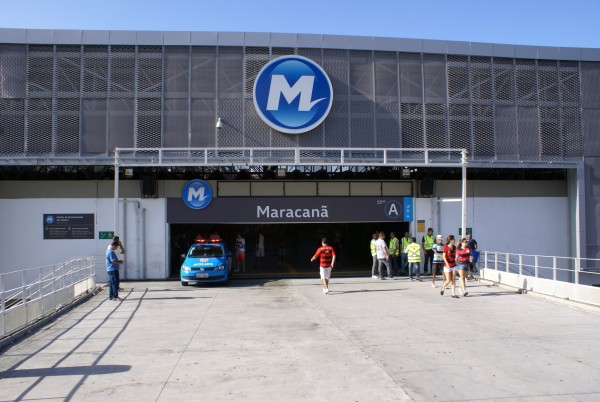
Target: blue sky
<point>567,23</point>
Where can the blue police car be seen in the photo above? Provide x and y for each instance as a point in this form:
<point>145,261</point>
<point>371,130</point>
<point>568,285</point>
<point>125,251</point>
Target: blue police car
<point>205,262</point>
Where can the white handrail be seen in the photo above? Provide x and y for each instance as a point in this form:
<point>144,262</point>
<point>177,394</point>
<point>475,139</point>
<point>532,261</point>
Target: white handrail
<point>28,294</point>
<point>579,271</point>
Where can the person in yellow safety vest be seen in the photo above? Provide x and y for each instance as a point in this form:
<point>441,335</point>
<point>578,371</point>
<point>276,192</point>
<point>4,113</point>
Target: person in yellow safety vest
<point>405,241</point>
<point>413,250</point>
<point>394,250</point>
<point>374,256</point>
<point>427,243</point>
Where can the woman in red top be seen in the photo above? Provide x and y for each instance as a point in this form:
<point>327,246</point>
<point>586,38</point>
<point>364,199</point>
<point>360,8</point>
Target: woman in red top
<point>464,256</point>
<point>449,266</point>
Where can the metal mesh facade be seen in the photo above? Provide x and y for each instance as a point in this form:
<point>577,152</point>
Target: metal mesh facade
<point>75,103</point>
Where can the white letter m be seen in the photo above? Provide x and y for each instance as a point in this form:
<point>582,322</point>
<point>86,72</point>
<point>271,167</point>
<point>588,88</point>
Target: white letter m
<point>302,87</point>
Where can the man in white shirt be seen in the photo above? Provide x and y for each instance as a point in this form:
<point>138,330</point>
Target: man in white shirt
<point>383,255</point>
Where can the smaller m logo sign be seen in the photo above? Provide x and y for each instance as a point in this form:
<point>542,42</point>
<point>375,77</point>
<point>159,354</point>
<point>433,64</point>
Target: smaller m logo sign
<point>196,194</point>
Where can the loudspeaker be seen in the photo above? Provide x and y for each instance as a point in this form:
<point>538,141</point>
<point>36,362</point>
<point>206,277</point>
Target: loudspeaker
<point>427,187</point>
<point>149,189</point>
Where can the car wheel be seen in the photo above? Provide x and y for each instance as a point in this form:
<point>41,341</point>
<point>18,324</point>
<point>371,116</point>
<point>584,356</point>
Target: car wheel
<point>184,283</point>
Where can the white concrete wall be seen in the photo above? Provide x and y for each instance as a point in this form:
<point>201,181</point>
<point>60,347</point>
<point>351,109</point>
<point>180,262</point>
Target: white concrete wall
<point>527,225</point>
<point>23,246</point>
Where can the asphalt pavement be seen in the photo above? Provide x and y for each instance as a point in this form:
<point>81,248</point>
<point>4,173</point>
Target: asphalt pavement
<point>284,340</point>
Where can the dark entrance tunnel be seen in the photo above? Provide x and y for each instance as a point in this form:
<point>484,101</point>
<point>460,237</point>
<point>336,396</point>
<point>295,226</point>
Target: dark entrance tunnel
<point>289,247</point>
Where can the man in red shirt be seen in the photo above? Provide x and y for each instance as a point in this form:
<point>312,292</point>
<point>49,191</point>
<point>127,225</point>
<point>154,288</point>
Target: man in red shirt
<point>327,255</point>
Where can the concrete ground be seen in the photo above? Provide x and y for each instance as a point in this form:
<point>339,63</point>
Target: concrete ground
<point>283,340</point>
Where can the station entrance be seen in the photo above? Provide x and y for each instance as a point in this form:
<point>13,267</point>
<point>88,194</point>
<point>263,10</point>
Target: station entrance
<point>288,247</point>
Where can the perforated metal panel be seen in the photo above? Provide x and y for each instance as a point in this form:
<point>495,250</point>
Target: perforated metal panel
<point>484,145</point>
<point>12,127</point>
<point>68,71</point>
<point>68,101</point>
<point>460,127</point>
<point>571,132</point>
<point>481,80</point>
<point>411,78</point>
<point>95,72</point>
<point>313,137</point>
<point>67,127</point>
<point>337,128</point>
<point>434,76</point>
<point>436,127</point>
<point>361,76</point>
<point>122,71</point>
<point>257,133</point>
<point>387,107</point>
<point>504,81</point>
<point>411,115</point>
<point>149,108</point>
<point>507,147</point>
<point>13,71</point>
<point>550,138</point>
<point>457,69</point>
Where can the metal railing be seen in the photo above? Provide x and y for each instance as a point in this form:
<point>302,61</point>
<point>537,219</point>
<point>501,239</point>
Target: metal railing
<point>29,294</point>
<point>292,156</point>
<point>579,271</point>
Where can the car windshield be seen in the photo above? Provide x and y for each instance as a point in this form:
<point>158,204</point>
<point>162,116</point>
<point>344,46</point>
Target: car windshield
<point>206,250</point>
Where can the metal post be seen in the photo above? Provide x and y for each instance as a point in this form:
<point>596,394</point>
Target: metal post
<point>577,269</point>
<point>116,195</point>
<point>554,268</point>
<point>537,266</point>
<point>520,264</point>
<point>464,193</point>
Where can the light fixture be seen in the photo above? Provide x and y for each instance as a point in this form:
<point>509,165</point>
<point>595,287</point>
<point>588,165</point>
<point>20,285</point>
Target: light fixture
<point>281,172</point>
<point>219,123</point>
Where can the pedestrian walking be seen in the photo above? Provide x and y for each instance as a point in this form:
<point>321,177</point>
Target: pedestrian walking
<point>326,254</point>
<point>449,266</point>
<point>438,259</point>
<point>112,268</point>
<point>120,251</point>
<point>374,255</point>
<point>240,253</point>
<point>427,244</point>
<point>463,253</point>
<point>394,250</point>
<point>405,241</point>
<point>414,259</point>
<point>383,256</point>
<point>475,254</point>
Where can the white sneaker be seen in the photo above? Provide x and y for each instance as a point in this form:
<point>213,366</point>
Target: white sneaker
<point>374,277</point>
<point>324,290</point>
<point>433,285</point>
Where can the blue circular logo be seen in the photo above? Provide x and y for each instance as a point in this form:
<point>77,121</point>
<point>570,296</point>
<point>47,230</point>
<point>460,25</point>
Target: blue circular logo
<point>292,94</point>
<point>196,194</point>
<point>393,209</point>
<point>50,219</point>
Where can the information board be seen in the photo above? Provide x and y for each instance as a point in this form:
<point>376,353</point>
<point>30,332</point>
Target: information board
<point>68,226</point>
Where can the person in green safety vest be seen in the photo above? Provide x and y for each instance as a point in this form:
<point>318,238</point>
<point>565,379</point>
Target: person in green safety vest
<point>404,242</point>
<point>394,250</point>
<point>427,243</point>
<point>374,255</point>
<point>413,250</point>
